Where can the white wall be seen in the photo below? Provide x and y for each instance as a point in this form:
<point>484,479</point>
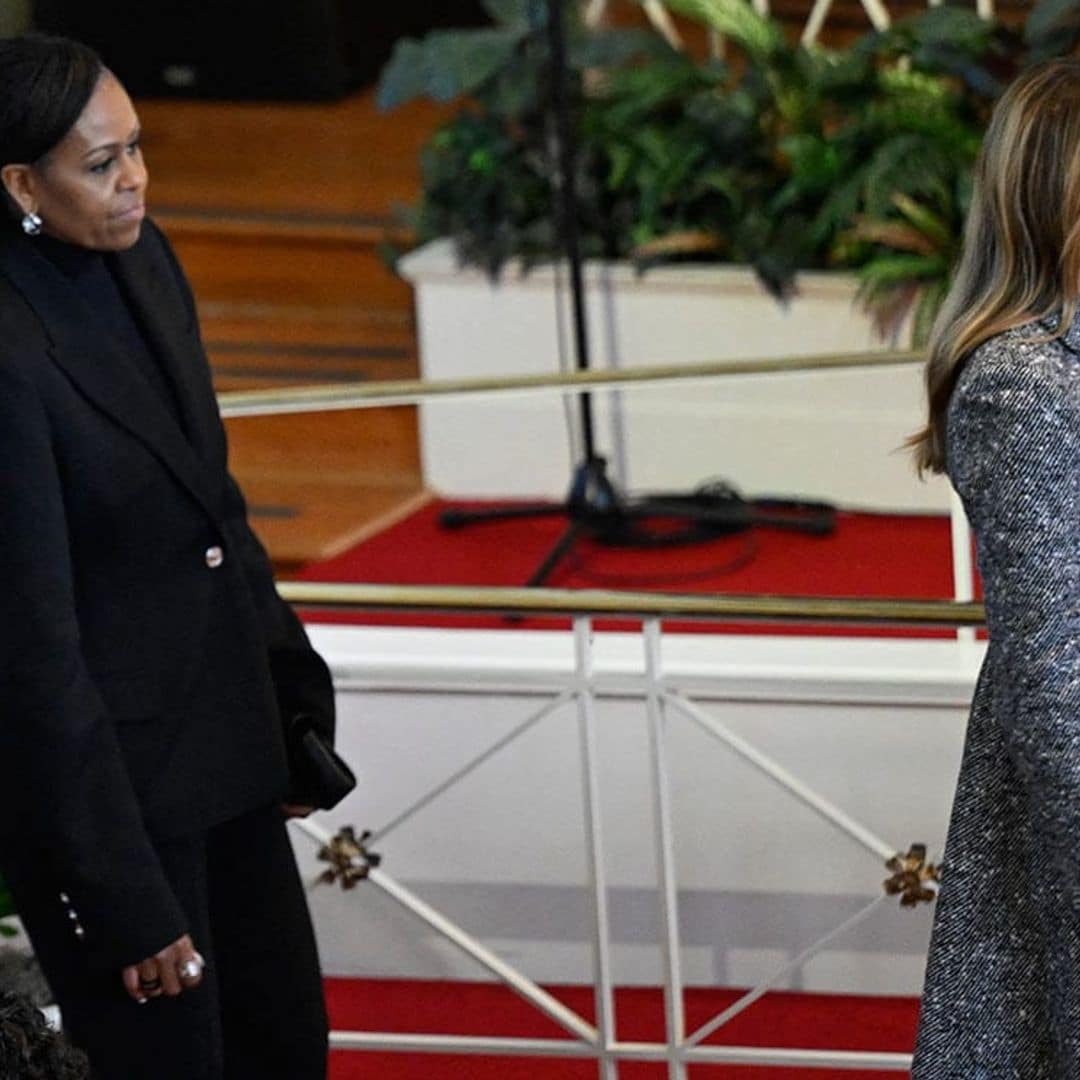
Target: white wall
<point>833,435</point>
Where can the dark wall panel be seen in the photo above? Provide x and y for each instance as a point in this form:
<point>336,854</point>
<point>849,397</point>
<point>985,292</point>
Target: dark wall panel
<point>274,49</point>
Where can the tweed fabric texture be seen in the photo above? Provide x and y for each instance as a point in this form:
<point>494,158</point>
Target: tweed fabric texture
<point>1002,993</point>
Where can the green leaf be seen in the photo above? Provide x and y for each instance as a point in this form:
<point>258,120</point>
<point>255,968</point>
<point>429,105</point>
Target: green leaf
<point>830,71</point>
<point>621,162</point>
<point>776,271</point>
<point>931,225</point>
<point>723,183</point>
<point>458,63</point>
<point>760,36</point>
<point>898,235</point>
<point>901,269</point>
<point>950,60</point>
<point>446,65</point>
<point>1048,17</point>
<point>516,14</point>
<point>611,48</point>
<point>956,26</point>
<point>816,162</point>
<point>838,208</point>
<point>7,902</point>
<point>404,78</point>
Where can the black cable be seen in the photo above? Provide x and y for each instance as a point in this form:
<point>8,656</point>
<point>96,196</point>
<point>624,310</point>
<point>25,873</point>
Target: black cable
<point>578,565</point>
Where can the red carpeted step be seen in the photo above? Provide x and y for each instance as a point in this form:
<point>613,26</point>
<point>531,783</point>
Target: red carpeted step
<point>798,1020</point>
<point>869,555</point>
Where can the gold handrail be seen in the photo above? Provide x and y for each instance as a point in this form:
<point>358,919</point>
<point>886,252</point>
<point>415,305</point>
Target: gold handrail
<point>325,398</point>
<point>608,604</point>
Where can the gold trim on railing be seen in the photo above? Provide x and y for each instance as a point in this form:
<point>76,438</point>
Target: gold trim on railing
<point>411,391</point>
<point>607,604</point>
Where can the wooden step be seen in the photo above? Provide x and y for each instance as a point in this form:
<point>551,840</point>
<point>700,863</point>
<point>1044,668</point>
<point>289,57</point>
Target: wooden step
<point>258,366</point>
<point>373,447</point>
<point>272,269</point>
<point>280,215</point>
<point>317,483</point>
<point>286,325</point>
<point>346,159</point>
<point>296,301</point>
<point>299,523</point>
<point>289,301</point>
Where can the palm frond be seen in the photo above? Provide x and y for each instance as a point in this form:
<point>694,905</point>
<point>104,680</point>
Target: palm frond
<point>931,225</point>
<point>894,234</point>
<point>760,36</point>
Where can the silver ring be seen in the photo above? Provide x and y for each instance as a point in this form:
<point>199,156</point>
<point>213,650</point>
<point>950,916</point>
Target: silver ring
<point>191,969</point>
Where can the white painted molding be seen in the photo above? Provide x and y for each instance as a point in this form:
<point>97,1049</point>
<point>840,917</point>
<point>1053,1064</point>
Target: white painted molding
<point>893,672</point>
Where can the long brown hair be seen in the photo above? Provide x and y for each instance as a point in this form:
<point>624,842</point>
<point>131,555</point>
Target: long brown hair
<point>1021,252</point>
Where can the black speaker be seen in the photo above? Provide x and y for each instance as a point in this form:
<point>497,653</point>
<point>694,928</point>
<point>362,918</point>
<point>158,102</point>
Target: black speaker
<point>263,49</point>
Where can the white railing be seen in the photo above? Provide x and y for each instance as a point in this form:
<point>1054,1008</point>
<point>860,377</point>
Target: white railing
<point>876,11</point>
<point>665,702</point>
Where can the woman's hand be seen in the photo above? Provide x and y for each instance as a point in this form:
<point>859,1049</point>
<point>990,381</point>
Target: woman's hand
<point>176,968</point>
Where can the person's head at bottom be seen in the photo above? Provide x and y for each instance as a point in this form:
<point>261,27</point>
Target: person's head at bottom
<point>30,1049</point>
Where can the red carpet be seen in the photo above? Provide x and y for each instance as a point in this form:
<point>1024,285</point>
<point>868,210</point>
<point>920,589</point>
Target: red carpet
<point>805,1021</point>
<point>869,555</point>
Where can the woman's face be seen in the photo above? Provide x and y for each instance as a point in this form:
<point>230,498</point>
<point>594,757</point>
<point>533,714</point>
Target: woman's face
<point>90,189</point>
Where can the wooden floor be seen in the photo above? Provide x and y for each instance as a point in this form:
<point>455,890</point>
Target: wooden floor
<point>279,213</point>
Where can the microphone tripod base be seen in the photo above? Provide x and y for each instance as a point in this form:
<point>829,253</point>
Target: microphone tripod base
<point>595,507</point>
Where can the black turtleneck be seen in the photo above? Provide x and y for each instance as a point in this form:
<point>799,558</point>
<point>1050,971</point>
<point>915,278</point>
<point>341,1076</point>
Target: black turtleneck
<point>89,272</point>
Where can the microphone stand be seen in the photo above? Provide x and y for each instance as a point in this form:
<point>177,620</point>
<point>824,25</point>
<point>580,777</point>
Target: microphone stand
<point>593,504</point>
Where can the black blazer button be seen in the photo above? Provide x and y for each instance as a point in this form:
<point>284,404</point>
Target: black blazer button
<point>215,556</point>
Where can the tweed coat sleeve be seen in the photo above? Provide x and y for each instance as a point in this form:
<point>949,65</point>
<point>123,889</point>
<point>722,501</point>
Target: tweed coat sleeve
<point>1014,456</point>
<point>57,739</point>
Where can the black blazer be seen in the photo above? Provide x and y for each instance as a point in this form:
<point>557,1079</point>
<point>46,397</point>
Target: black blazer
<point>145,656</point>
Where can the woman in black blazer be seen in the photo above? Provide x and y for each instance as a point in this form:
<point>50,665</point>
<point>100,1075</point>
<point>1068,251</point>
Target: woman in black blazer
<point>146,662</point>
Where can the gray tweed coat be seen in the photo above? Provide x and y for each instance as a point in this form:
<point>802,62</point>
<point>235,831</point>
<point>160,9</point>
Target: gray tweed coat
<point>1002,996</point>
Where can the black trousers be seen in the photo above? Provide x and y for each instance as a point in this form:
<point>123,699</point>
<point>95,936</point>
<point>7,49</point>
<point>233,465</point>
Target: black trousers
<point>259,1012</point>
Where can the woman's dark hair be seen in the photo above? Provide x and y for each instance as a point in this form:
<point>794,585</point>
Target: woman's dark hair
<point>30,1050</point>
<point>45,83</point>
<point>1021,253</point>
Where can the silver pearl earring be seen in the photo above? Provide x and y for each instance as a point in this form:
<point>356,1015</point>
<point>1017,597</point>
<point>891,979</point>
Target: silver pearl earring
<point>31,224</point>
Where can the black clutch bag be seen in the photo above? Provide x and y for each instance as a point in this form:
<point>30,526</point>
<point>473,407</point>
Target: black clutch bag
<point>320,777</point>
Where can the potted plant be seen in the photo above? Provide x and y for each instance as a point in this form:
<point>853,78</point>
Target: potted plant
<point>791,156</point>
<point>798,162</point>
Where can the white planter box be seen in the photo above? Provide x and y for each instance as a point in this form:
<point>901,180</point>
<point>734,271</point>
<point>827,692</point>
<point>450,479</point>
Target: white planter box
<point>832,435</point>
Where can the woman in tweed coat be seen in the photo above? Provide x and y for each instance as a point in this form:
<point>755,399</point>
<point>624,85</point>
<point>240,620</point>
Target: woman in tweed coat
<point>1002,994</point>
